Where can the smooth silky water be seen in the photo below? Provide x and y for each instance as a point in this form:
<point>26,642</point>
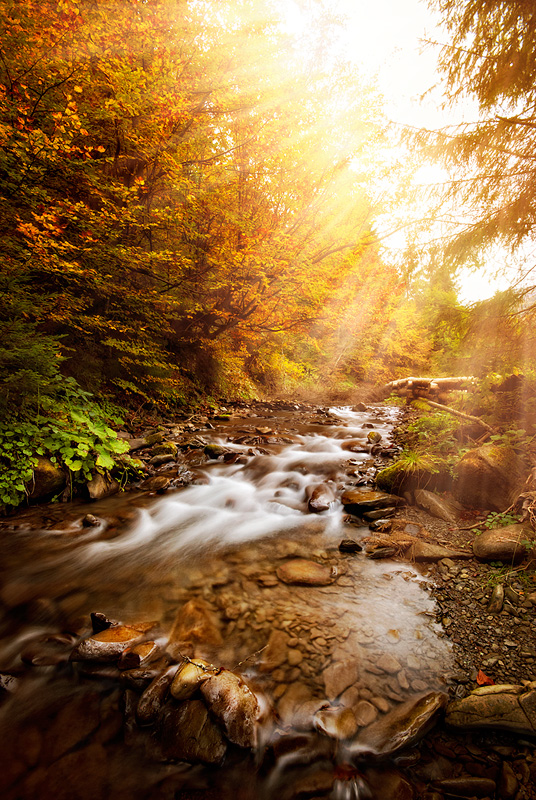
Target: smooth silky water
<point>369,637</point>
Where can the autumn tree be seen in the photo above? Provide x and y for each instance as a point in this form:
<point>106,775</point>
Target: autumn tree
<point>170,191</point>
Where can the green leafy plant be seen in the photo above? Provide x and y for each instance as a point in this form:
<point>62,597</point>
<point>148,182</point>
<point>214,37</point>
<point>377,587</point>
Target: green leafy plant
<point>71,430</point>
<point>500,519</point>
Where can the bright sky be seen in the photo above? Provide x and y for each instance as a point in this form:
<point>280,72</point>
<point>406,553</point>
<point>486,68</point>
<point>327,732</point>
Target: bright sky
<point>386,39</point>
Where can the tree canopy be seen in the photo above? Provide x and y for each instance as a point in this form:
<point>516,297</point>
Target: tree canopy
<point>488,65</point>
<point>179,184</point>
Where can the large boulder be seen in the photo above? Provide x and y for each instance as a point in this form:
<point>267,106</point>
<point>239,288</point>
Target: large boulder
<point>48,480</point>
<point>503,544</point>
<point>398,478</point>
<point>490,477</point>
<point>504,707</point>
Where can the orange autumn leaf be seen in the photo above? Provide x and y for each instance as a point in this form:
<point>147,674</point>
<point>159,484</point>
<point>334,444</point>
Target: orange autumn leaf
<point>483,680</point>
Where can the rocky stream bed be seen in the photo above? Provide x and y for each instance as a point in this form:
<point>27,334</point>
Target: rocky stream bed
<point>254,620</point>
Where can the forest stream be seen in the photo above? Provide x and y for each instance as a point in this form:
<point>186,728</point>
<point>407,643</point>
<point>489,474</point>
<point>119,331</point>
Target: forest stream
<point>330,641</point>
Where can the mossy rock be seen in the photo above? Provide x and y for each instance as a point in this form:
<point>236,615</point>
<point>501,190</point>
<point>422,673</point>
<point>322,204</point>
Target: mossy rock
<point>153,438</point>
<point>164,449</point>
<point>398,478</point>
<point>48,480</point>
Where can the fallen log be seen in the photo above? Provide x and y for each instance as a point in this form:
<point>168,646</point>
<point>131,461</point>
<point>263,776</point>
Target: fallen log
<point>422,387</point>
<point>460,414</point>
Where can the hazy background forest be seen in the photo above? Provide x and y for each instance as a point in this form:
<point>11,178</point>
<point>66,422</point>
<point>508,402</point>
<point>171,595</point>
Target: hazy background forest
<point>198,202</point>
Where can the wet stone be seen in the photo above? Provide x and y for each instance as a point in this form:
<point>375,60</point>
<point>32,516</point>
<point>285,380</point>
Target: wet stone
<point>360,501</point>
<point>189,734</point>
<point>467,787</point>
<point>302,571</point>
<point>401,727</point>
<point>336,722</point>
<point>234,705</point>
<point>365,713</point>
<point>350,546</point>
<point>388,663</point>
<point>339,676</point>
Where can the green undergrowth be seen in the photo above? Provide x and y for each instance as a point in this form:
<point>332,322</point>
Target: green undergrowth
<point>70,428</point>
<point>430,451</point>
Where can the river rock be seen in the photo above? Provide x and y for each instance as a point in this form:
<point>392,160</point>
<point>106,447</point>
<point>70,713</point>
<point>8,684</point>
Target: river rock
<point>165,449</point>
<point>234,705</point>
<point>165,458</point>
<point>303,571</point>
<point>189,677</point>
<point>339,676</point>
<point>189,734</point>
<point>354,445</point>
<point>152,699</point>
<point>275,652</point>
<point>214,451</point>
<point>102,486</point>
<point>356,501</point>
<point>297,706</point>
<point>400,728</point>
<point>48,480</point>
<point>389,784</point>
<point>503,544</point>
<point>319,497</point>
<point>504,707</point>
<point>508,784</point>
<point>336,722</point>
<point>436,505</point>
<point>107,645</point>
<point>365,713</point>
<point>134,657</point>
<point>350,546</point>
<point>379,513</point>
<point>153,438</point>
<point>467,786</point>
<point>157,483</point>
<point>496,600</point>
<point>197,624</point>
<point>489,477</point>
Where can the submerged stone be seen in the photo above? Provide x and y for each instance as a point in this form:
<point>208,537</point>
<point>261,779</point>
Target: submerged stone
<point>400,728</point>
<point>336,722</point>
<point>302,571</point>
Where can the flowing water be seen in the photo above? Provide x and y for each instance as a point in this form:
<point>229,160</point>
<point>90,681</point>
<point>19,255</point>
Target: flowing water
<point>364,639</point>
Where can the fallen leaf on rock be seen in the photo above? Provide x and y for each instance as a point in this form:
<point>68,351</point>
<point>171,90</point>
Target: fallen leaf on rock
<point>483,680</point>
